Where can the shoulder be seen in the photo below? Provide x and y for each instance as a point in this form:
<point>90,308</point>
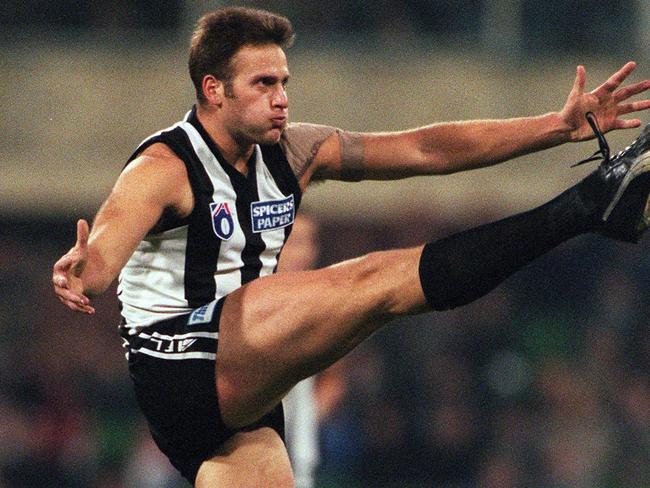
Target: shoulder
<point>302,140</point>
<point>298,131</point>
<point>158,158</point>
<point>159,175</point>
<point>301,143</point>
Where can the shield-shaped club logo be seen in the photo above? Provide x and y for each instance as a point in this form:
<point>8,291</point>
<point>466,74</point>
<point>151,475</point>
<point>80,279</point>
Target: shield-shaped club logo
<point>222,222</point>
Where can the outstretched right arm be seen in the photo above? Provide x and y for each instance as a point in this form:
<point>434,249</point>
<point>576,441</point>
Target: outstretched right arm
<point>157,180</point>
<point>450,147</point>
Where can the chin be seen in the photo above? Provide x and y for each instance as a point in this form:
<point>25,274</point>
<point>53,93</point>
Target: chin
<point>272,137</point>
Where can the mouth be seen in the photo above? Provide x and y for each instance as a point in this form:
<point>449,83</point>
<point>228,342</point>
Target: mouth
<point>279,121</point>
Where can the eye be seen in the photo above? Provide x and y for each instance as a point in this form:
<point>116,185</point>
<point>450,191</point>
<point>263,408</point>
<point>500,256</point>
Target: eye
<point>267,81</point>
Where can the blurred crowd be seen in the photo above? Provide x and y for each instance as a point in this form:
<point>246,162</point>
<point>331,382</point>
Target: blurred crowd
<point>543,383</point>
<point>553,25</point>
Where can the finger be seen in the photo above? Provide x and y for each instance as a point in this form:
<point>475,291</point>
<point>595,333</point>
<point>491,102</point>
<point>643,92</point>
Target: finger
<point>88,310</point>
<point>72,296</point>
<point>630,91</point>
<point>62,268</point>
<point>617,78</point>
<point>82,233</point>
<point>65,263</point>
<point>72,305</point>
<point>626,124</point>
<point>581,77</point>
<point>59,280</point>
<point>627,108</point>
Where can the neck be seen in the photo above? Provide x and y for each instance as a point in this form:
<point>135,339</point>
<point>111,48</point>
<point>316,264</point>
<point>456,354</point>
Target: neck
<point>235,153</point>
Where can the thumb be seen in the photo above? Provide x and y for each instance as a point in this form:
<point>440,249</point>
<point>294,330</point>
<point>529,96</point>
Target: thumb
<point>581,77</point>
<point>83,231</point>
<point>61,269</point>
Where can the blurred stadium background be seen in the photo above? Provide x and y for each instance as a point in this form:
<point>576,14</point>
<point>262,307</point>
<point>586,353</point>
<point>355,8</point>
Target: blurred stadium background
<point>544,383</point>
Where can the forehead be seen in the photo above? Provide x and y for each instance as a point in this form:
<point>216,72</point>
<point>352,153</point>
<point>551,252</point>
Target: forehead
<point>253,60</point>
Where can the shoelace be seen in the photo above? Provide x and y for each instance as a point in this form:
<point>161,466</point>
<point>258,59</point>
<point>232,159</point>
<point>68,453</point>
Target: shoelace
<point>603,151</point>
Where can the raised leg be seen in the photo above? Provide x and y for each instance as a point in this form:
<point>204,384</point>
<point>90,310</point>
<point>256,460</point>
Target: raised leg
<point>280,329</point>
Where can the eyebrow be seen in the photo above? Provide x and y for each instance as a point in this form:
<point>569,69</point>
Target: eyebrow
<point>261,77</point>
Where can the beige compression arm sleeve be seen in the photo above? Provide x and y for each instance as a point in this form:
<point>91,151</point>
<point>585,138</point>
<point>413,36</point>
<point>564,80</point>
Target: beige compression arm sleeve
<point>301,143</point>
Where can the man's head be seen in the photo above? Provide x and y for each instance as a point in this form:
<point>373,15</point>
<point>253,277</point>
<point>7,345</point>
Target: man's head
<point>221,34</point>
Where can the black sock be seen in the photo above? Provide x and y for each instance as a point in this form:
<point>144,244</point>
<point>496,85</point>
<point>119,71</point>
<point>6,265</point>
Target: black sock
<point>463,267</point>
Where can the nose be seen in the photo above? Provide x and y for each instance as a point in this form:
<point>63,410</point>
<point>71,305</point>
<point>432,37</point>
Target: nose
<point>280,98</point>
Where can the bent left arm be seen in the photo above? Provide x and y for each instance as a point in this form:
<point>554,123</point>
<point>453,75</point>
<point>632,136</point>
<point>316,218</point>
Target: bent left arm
<point>458,146</point>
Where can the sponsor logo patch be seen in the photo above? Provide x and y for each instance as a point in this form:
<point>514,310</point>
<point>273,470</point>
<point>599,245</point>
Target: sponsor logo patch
<point>222,222</point>
<point>202,315</point>
<point>272,214</point>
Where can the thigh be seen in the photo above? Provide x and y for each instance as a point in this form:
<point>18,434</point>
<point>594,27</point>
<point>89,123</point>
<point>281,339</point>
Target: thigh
<point>280,329</point>
<point>254,459</point>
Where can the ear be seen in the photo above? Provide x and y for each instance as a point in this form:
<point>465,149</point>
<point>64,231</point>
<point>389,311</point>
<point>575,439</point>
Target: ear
<point>213,90</point>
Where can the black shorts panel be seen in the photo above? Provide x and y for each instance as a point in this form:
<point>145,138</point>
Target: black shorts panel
<point>178,396</point>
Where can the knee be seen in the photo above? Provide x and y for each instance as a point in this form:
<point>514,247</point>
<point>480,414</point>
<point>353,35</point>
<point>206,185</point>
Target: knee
<point>365,272</point>
<point>388,279</point>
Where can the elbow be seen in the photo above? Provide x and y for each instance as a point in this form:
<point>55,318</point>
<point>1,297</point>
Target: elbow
<point>447,163</point>
<point>431,160</point>
<point>435,163</point>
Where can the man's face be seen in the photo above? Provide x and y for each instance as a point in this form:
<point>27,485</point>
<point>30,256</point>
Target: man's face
<point>256,106</point>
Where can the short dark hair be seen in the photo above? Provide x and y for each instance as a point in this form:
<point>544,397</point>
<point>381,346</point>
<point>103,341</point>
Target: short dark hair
<point>220,34</point>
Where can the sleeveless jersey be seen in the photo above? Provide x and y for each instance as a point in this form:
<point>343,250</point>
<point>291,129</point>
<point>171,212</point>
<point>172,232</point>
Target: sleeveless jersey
<point>234,234</point>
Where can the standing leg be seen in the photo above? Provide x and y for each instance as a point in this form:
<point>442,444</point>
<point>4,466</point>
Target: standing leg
<point>301,430</point>
<point>255,459</point>
<point>301,253</point>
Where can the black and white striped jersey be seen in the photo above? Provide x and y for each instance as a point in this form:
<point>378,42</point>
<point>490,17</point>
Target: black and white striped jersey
<point>234,234</point>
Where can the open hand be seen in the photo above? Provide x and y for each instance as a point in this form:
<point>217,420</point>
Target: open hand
<point>607,102</point>
<point>66,273</point>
